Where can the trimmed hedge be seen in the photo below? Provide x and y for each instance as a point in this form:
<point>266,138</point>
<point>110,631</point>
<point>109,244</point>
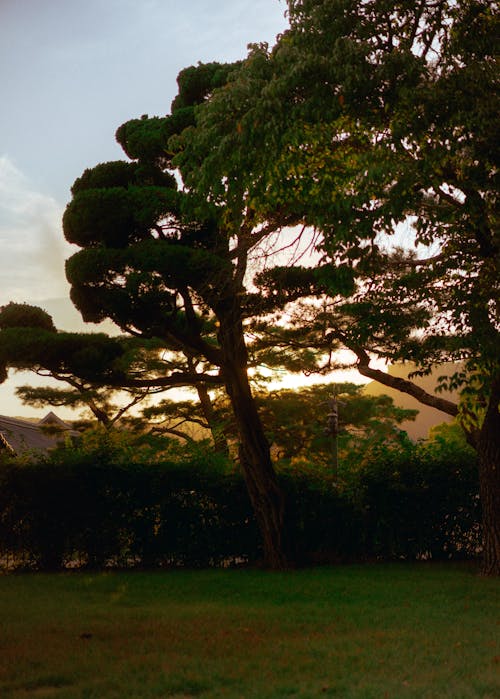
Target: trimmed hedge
<point>95,514</point>
<point>86,511</point>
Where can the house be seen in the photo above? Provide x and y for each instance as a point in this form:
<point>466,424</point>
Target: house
<point>20,436</point>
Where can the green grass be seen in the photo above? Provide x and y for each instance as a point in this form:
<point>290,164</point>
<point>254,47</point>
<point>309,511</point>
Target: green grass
<point>363,632</point>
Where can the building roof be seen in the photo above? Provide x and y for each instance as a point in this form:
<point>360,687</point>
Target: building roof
<point>20,436</point>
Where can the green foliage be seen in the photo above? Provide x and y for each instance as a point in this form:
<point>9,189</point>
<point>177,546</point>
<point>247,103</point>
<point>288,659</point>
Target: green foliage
<point>121,500</point>
<point>296,424</point>
<point>22,315</point>
<point>113,174</point>
<point>96,512</point>
<point>115,216</point>
<point>420,502</point>
<point>85,362</point>
<point>361,117</point>
<point>144,139</point>
<point>41,396</point>
<point>196,83</point>
<point>148,262</point>
<point>89,356</point>
<point>448,437</point>
<point>121,174</point>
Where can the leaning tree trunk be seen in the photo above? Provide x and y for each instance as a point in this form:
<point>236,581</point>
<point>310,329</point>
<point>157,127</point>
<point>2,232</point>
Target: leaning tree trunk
<point>261,481</point>
<point>488,448</point>
<point>265,494</point>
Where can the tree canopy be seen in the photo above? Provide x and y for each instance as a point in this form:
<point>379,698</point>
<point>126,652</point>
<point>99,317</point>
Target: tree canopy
<point>368,120</point>
<point>92,366</point>
<point>365,116</point>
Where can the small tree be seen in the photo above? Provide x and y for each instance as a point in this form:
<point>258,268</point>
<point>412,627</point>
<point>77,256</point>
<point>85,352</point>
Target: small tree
<point>30,341</point>
<point>296,423</point>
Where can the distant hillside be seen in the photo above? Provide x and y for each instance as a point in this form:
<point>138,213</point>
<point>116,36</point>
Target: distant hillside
<point>427,417</point>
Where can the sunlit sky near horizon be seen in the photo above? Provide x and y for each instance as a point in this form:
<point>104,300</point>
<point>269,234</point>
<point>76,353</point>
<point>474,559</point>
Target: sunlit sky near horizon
<point>70,73</point>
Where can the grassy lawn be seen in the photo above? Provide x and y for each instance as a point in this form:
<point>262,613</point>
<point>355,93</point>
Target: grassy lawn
<point>379,631</point>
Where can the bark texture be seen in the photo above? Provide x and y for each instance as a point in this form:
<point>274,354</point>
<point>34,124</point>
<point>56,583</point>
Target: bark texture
<point>216,429</point>
<point>263,488</point>
<point>488,448</point>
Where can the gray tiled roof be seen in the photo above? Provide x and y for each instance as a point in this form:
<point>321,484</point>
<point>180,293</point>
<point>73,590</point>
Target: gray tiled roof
<point>22,435</point>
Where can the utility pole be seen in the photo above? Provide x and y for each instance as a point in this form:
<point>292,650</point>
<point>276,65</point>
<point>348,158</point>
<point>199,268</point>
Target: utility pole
<point>332,429</point>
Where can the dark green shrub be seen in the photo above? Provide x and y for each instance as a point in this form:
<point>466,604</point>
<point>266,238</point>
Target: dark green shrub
<point>324,523</point>
<point>99,508</point>
<point>87,512</point>
<point>420,503</point>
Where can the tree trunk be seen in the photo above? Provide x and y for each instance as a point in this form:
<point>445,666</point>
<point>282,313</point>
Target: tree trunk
<point>488,448</point>
<point>265,494</point>
<point>486,442</point>
<point>261,481</point>
<point>216,429</point>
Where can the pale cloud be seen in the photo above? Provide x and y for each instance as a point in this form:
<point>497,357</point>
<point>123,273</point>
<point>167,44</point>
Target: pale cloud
<point>32,254</point>
<point>32,247</point>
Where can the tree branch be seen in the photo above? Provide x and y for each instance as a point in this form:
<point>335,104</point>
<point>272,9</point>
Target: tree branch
<point>175,379</point>
<point>402,385</point>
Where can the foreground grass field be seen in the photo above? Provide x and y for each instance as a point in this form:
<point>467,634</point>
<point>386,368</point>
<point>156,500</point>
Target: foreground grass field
<point>394,631</point>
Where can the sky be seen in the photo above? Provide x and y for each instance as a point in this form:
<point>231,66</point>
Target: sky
<point>71,72</point>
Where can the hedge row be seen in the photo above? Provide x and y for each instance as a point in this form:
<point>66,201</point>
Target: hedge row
<point>93,513</point>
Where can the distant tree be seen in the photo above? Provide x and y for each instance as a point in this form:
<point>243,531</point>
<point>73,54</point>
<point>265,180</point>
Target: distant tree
<point>448,435</point>
<point>98,401</point>
<point>297,422</point>
<point>22,315</point>
<point>191,420</point>
<point>29,341</point>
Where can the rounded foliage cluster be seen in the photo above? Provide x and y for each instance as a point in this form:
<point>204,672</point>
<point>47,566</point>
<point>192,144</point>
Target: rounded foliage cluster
<point>22,315</point>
